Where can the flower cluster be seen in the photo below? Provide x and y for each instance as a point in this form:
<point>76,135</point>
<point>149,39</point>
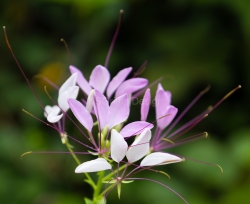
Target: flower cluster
<point>110,145</point>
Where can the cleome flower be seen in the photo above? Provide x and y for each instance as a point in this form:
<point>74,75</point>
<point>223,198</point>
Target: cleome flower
<point>66,91</point>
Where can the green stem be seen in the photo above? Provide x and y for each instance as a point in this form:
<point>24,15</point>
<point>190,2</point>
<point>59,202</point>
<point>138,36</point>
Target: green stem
<point>89,179</point>
<point>98,185</point>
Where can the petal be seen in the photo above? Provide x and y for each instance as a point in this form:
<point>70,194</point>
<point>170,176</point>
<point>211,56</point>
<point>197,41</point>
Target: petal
<point>166,117</point>
<point>162,100</point>
<point>90,101</point>
<point>131,86</point>
<point>71,81</point>
<point>159,158</point>
<point>95,165</point>
<point>117,80</point>
<point>71,92</point>
<point>140,146</point>
<point>53,116</point>
<point>81,81</point>
<point>99,78</point>
<point>119,110</point>
<point>145,105</point>
<point>135,128</point>
<point>81,113</point>
<point>118,146</point>
<point>101,108</point>
<point>50,109</point>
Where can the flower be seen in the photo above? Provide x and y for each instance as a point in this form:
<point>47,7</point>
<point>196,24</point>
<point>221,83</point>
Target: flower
<point>66,91</point>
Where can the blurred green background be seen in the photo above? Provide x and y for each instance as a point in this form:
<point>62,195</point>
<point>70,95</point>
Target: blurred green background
<point>193,43</point>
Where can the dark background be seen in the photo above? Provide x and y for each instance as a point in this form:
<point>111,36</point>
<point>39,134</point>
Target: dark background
<point>192,43</point>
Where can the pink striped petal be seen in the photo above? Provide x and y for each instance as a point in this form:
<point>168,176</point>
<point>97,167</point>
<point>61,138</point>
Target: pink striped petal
<point>159,158</point>
<point>135,128</point>
<point>81,81</point>
<point>81,113</point>
<point>101,108</point>
<point>95,165</point>
<point>131,86</point>
<point>140,147</point>
<point>71,81</point>
<point>145,105</point>
<point>166,116</point>
<point>119,110</point>
<point>117,80</point>
<point>99,78</point>
<point>118,146</point>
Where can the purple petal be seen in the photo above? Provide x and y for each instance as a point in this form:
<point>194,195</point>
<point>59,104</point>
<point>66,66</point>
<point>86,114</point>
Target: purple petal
<point>131,86</point>
<point>71,81</point>
<point>145,105</point>
<point>71,92</point>
<point>135,128</point>
<point>118,146</point>
<point>159,158</point>
<point>81,81</point>
<point>99,78</point>
<point>95,165</point>
<point>166,116</point>
<point>81,113</point>
<point>101,108</point>
<point>119,110</point>
<point>117,80</point>
<point>140,147</point>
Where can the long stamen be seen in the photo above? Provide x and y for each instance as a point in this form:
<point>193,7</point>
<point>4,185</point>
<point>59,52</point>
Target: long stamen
<point>224,98</point>
<point>210,164</point>
<point>51,152</point>
<point>187,108</point>
<point>20,68</point>
<point>141,69</point>
<point>54,127</point>
<point>47,80</point>
<point>67,48</point>
<point>183,141</point>
<point>186,128</point>
<point>161,185</point>
<point>114,39</point>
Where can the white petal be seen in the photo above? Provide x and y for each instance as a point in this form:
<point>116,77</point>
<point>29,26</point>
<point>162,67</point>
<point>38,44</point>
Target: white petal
<point>95,165</point>
<point>140,146</point>
<point>50,109</point>
<point>71,92</point>
<point>118,146</point>
<point>159,158</point>
<point>54,118</point>
<point>71,81</point>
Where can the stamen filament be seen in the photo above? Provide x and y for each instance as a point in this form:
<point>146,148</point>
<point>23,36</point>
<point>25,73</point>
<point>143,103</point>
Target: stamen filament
<point>114,39</point>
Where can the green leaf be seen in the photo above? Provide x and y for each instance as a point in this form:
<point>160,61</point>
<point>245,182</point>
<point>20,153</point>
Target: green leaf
<point>88,201</point>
